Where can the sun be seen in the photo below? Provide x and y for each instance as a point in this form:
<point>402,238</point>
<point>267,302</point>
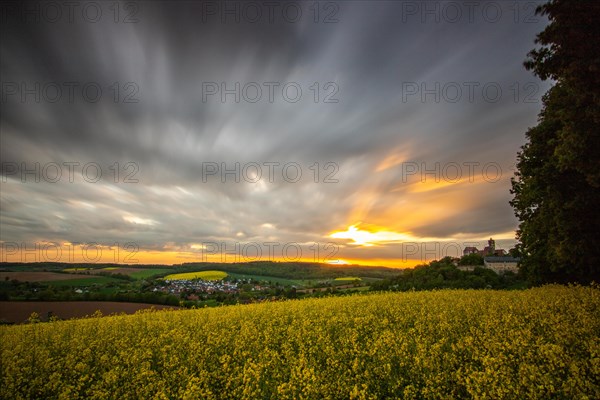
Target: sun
<point>365,238</point>
<point>361,238</point>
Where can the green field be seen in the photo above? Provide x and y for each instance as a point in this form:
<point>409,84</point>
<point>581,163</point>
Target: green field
<point>98,280</point>
<point>272,279</point>
<point>541,343</point>
<point>143,273</point>
<point>204,275</point>
<point>79,269</point>
<point>358,289</point>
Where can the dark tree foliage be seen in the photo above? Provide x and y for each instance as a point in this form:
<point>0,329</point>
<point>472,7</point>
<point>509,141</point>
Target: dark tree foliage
<point>471,259</point>
<point>557,186</point>
<point>443,274</point>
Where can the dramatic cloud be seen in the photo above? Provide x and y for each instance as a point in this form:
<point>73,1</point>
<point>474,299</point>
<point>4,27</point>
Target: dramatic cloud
<point>175,127</point>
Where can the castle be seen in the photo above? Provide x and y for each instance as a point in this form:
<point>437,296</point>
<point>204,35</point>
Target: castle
<point>489,250</point>
<point>495,259</point>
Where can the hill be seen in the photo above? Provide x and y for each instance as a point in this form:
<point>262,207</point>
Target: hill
<point>293,270</point>
<point>287,270</point>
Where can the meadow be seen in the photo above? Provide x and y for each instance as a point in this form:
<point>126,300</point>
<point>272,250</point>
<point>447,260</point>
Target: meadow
<point>85,280</point>
<point>35,276</point>
<point>148,273</point>
<point>538,343</point>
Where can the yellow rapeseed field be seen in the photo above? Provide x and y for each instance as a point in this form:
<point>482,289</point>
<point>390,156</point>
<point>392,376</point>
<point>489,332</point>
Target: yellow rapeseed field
<point>204,275</point>
<point>535,344</point>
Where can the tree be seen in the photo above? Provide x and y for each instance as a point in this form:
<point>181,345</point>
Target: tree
<point>557,184</point>
<point>515,252</point>
<point>471,259</point>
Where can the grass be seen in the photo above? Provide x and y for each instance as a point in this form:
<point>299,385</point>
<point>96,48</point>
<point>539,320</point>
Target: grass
<point>148,273</point>
<point>358,289</point>
<point>272,279</point>
<point>348,278</point>
<point>98,280</point>
<point>204,275</point>
<point>76,269</point>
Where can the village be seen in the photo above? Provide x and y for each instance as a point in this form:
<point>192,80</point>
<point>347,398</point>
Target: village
<point>179,287</point>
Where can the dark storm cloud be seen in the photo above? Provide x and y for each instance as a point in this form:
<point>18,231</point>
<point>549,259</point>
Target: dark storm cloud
<point>372,55</point>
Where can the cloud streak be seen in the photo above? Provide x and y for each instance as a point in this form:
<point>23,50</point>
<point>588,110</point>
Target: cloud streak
<point>156,122</point>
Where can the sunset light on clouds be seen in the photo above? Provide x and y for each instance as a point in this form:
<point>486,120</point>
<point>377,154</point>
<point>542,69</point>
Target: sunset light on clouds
<point>210,150</point>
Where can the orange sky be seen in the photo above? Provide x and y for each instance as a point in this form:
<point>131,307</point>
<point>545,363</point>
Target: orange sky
<point>360,244</point>
<point>382,219</point>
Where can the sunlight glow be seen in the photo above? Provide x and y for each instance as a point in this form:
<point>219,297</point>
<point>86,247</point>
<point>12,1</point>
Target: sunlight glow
<point>338,262</point>
<point>139,221</point>
<point>366,238</point>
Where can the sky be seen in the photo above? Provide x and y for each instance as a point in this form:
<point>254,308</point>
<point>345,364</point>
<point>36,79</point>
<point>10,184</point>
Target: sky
<point>371,132</point>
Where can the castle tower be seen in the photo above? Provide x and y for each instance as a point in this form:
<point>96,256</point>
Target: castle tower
<point>492,245</point>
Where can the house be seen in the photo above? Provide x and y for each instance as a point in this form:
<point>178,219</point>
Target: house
<point>501,265</point>
<point>470,250</point>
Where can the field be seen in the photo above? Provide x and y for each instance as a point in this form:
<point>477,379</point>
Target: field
<point>19,311</point>
<point>204,275</point>
<point>538,344</point>
<point>40,276</point>
<point>137,273</point>
<point>272,279</point>
<point>143,273</point>
<point>294,270</point>
<point>84,280</point>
